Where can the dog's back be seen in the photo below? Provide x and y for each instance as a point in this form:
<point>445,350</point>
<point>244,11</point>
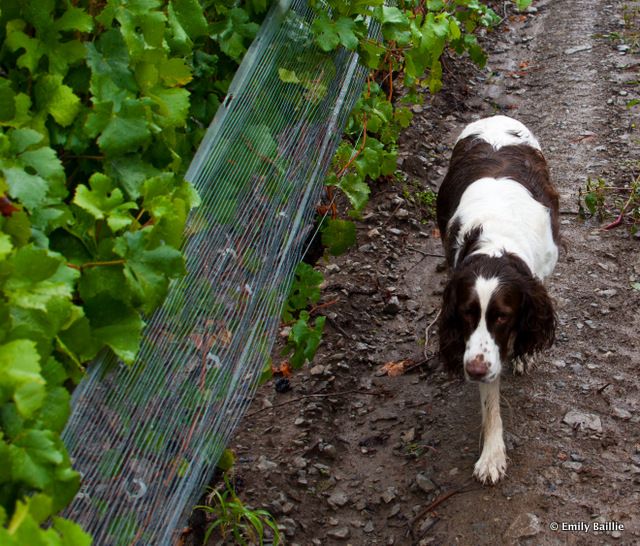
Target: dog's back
<point>498,167</point>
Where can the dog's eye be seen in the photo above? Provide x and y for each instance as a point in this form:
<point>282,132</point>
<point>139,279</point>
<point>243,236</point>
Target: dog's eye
<point>502,318</point>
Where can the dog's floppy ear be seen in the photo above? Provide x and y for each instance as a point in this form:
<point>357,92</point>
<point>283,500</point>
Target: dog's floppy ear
<point>537,321</point>
<point>450,329</point>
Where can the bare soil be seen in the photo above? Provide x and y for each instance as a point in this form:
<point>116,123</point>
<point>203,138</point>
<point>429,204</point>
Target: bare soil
<point>349,456</point>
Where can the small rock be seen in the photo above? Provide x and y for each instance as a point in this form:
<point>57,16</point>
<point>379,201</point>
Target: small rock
<point>339,532</point>
<point>329,450</point>
<point>322,468</point>
<point>299,462</point>
<point>265,465</point>
<point>417,109</point>
<point>424,483</point>
<point>299,421</point>
<point>390,494</point>
<point>288,525</point>
<point>402,214</point>
<point>408,436</point>
<point>525,525</point>
<point>317,370</point>
<point>577,49</point>
<point>338,499</point>
<point>372,233</point>
<point>426,524</point>
<point>583,420</point>
<point>392,307</point>
<point>368,527</point>
<point>395,231</point>
<point>395,510</point>
<point>608,292</point>
<point>332,268</point>
<point>573,465</point>
<point>623,47</point>
<point>621,413</point>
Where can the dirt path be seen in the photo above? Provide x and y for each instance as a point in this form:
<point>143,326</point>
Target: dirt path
<point>374,458</point>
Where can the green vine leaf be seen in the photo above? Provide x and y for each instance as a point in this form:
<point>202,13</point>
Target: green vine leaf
<point>338,236</point>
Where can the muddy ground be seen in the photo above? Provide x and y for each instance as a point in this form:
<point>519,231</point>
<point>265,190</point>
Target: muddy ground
<point>349,456</point>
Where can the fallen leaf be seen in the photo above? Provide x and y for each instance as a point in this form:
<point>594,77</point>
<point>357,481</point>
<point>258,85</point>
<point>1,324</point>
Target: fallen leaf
<point>393,369</point>
<point>284,369</point>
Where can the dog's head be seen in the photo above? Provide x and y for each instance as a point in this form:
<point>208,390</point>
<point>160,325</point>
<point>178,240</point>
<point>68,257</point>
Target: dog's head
<point>493,310</point>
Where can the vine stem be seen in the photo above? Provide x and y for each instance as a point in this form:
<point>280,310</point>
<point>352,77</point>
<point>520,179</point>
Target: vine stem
<point>364,143</point>
<point>618,220</point>
<point>316,308</point>
<point>94,264</point>
<point>390,79</point>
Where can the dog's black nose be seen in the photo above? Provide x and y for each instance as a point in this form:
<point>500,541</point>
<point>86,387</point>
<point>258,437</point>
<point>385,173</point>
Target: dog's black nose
<point>477,368</point>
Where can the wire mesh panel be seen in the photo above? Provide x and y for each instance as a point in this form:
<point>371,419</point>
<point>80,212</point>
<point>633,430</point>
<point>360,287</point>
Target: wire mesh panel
<point>146,437</point>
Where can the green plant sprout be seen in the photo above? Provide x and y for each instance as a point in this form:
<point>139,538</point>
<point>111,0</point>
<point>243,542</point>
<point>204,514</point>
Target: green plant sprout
<point>231,518</point>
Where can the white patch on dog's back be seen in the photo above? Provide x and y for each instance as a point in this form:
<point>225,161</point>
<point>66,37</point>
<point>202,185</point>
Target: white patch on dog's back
<point>511,220</point>
<point>500,131</point>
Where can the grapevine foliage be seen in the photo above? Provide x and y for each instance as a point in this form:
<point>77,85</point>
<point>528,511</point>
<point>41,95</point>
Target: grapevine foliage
<point>102,105</point>
<point>306,333</point>
<point>415,36</point>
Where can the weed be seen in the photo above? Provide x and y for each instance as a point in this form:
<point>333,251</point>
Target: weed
<point>235,520</point>
<point>622,203</point>
<point>424,200</point>
<point>415,450</point>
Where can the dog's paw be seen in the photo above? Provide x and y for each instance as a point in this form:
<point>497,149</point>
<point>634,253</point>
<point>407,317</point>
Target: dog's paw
<point>519,366</point>
<point>491,466</point>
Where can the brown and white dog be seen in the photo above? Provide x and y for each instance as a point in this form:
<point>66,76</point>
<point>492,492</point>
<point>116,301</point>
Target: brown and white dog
<point>498,215</point>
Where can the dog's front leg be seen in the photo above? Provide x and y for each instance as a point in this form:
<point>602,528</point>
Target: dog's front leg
<point>492,464</point>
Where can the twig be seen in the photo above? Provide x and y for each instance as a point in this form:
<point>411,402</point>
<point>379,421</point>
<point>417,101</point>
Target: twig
<point>431,254</point>
<point>316,308</point>
<point>426,333</point>
<point>440,499</point>
<point>315,395</point>
<point>337,327</point>
<point>419,363</point>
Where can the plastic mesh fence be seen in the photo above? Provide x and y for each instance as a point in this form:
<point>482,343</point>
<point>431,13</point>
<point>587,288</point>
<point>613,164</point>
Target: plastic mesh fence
<point>146,437</point>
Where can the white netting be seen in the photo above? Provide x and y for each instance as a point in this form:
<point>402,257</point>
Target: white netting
<point>146,437</point>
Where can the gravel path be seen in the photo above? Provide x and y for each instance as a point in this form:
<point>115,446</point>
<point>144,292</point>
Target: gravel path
<point>388,460</point>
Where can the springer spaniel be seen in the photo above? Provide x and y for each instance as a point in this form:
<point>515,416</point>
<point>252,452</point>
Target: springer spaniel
<point>498,215</point>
